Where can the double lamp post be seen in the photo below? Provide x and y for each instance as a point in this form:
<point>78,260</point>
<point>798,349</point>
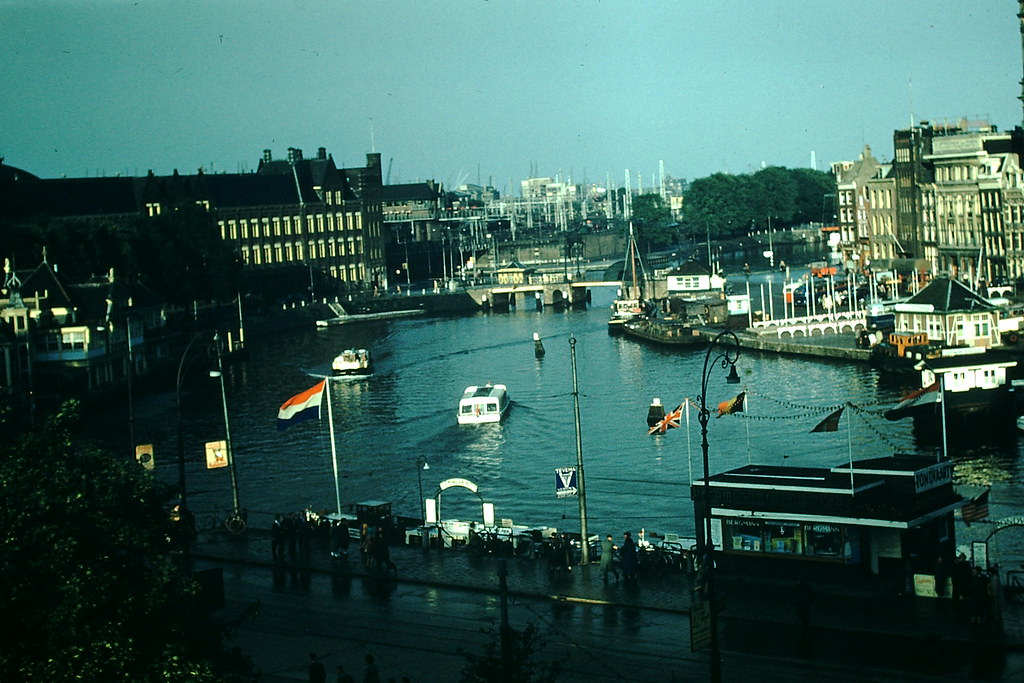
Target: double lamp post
<point>727,347</point>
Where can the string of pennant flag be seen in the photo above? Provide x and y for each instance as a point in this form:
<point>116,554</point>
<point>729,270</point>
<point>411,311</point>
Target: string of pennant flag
<point>738,406</point>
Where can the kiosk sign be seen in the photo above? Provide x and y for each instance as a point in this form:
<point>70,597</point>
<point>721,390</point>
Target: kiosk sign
<point>565,482</point>
<point>933,476</point>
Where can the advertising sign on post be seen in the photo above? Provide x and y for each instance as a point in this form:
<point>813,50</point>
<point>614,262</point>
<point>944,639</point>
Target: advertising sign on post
<point>565,482</point>
<point>216,454</point>
<point>144,455</point>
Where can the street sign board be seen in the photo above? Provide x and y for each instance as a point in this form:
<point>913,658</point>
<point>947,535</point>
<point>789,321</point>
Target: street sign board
<point>700,625</point>
<point>565,482</point>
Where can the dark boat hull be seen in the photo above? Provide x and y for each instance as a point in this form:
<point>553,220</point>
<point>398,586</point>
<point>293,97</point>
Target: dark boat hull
<point>664,332</point>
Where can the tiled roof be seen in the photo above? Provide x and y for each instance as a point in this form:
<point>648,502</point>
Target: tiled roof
<point>408,192</point>
<point>691,268</point>
<point>949,296</point>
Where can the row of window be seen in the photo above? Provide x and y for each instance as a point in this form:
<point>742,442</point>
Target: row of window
<point>276,226</point>
<point>289,252</point>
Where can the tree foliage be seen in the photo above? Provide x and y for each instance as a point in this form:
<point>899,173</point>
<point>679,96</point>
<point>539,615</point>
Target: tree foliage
<point>89,585</point>
<point>179,254</point>
<point>724,206</point>
<point>652,221</point>
<point>519,665</point>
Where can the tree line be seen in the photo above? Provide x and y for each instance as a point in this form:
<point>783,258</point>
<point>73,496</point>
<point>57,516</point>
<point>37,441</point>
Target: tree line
<point>724,206</point>
<point>179,255</point>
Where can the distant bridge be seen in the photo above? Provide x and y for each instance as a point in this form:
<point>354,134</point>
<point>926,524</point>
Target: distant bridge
<point>537,294</point>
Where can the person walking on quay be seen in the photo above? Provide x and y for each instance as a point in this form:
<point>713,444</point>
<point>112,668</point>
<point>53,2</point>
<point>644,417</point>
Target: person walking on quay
<point>317,672</point>
<point>382,555</point>
<point>628,558</point>
<point>607,559</point>
<point>961,577</point>
<point>941,576</point>
<point>291,532</point>
<point>979,597</point>
<point>344,676</point>
<point>277,538</point>
<point>341,538</point>
<point>370,673</point>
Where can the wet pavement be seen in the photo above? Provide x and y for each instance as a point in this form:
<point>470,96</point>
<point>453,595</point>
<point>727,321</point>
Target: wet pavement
<point>757,615</point>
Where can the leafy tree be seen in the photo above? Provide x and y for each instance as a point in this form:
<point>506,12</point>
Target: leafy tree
<point>88,579</point>
<point>182,257</point>
<point>652,221</point>
<point>815,194</point>
<point>179,254</point>
<point>517,667</point>
<point>723,206</point>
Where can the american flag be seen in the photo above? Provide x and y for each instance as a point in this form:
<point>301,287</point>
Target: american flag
<point>976,508</point>
<point>670,421</point>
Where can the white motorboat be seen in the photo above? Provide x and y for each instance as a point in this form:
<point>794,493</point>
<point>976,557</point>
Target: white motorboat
<point>353,362</point>
<point>487,403</point>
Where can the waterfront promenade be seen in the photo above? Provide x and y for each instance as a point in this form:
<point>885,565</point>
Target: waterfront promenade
<point>851,624</point>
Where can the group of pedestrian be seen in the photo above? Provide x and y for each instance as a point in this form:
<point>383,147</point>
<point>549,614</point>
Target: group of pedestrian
<point>624,557</point>
<point>290,536</point>
<point>977,586</point>
<point>376,555</point>
<point>561,555</point>
<point>318,672</point>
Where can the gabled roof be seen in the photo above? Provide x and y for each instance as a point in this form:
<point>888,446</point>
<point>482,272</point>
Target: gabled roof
<point>237,190</point>
<point>691,268</point>
<point>949,296</point>
<point>44,279</point>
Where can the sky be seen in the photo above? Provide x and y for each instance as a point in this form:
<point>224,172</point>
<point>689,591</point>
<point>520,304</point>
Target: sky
<point>492,92</point>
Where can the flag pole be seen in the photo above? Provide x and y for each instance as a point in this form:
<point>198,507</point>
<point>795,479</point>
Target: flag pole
<point>849,445</point>
<point>942,408</point>
<point>334,448</point>
<point>689,458</point>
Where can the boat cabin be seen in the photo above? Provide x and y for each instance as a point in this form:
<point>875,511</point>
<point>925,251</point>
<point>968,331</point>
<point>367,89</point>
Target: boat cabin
<point>486,403</point>
<point>353,362</point>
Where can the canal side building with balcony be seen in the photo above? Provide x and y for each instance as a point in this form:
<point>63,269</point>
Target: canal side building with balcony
<point>883,517</point>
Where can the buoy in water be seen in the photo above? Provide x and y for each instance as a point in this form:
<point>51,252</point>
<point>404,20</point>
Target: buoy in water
<point>538,346</point>
<point>656,413</point>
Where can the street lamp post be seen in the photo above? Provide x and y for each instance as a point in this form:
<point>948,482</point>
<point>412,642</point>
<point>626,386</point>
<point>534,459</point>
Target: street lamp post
<point>421,465</point>
<point>728,351</point>
<point>184,517</point>
<point>580,482</point>
<point>236,522</point>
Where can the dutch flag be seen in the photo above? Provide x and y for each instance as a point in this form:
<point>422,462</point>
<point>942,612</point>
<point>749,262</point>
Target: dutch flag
<point>302,406</point>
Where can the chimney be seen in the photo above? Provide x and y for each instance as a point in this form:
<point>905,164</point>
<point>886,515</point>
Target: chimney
<point>321,154</point>
<point>267,158</point>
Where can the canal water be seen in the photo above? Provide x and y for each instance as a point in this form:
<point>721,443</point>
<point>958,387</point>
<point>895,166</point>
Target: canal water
<point>405,412</point>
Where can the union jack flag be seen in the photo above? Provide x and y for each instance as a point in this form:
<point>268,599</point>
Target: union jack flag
<point>670,421</point>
